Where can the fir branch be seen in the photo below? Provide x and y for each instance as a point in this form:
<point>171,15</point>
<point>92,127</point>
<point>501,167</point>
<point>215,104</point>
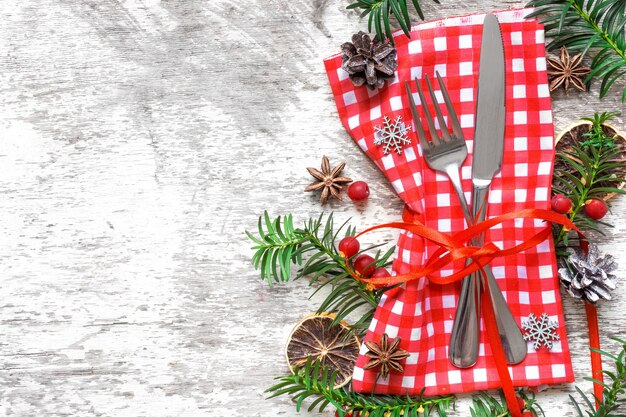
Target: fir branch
<point>582,25</point>
<point>279,246</point>
<point>315,384</point>
<point>613,392</point>
<point>592,160</point>
<point>380,12</point>
<point>596,136</point>
<point>483,405</point>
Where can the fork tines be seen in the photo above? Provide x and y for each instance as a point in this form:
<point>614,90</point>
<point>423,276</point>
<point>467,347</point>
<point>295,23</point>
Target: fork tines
<point>457,133</point>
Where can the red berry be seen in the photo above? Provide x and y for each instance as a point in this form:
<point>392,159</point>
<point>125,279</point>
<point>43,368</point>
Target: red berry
<point>358,191</point>
<point>349,246</point>
<point>521,403</point>
<point>381,273</point>
<point>596,209</point>
<point>561,204</point>
<point>365,266</point>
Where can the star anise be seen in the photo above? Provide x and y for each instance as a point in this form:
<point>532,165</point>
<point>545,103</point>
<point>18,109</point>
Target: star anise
<point>368,61</point>
<point>385,355</point>
<point>328,180</point>
<point>567,70</point>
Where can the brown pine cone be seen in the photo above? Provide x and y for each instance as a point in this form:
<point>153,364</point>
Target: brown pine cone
<point>368,62</point>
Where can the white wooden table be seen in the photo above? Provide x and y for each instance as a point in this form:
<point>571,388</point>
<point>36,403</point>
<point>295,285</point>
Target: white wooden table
<point>138,139</point>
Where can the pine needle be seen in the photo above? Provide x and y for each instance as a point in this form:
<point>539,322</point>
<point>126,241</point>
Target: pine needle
<point>313,384</point>
<point>313,249</point>
<point>591,160</point>
<point>380,12</point>
<point>588,25</point>
<point>614,391</point>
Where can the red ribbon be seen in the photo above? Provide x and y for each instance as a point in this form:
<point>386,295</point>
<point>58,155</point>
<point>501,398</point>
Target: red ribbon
<point>596,358</point>
<point>499,358</point>
<point>453,248</point>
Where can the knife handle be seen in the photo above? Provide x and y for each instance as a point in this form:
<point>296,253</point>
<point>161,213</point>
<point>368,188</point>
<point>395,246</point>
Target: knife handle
<point>510,334</point>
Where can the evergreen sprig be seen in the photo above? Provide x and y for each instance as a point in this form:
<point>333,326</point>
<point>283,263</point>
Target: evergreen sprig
<point>583,25</point>
<point>315,384</point>
<point>613,391</point>
<point>596,136</point>
<point>483,405</point>
<point>593,160</point>
<point>380,12</point>
<point>279,245</point>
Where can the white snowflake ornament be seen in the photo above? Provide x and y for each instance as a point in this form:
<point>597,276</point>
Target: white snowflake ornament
<point>540,331</point>
<point>392,135</point>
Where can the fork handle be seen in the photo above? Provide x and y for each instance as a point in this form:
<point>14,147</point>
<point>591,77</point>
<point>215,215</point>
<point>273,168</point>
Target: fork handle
<point>464,340</point>
<point>455,179</point>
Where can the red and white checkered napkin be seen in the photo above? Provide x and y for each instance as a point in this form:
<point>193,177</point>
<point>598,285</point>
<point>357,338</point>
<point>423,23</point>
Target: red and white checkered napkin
<point>422,313</point>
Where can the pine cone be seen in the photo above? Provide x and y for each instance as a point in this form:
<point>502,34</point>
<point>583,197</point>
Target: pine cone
<point>588,277</point>
<point>368,62</point>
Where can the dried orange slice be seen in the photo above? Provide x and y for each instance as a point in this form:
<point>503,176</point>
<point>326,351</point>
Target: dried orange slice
<point>333,346</point>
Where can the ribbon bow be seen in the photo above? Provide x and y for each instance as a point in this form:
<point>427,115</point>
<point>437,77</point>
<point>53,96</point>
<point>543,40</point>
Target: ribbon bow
<point>453,248</point>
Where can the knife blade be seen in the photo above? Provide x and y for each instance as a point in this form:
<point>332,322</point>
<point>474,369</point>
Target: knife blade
<point>488,154</point>
<point>490,109</point>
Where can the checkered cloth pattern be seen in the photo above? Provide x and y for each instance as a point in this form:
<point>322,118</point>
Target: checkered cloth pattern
<point>421,313</point>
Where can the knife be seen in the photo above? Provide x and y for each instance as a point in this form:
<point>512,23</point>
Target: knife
<point>487,161</point>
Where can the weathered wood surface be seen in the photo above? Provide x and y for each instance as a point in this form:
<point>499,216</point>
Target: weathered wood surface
<point>139,139</point>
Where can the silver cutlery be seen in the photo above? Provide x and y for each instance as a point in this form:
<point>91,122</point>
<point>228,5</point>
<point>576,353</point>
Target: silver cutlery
<point>487,161</point>
<point>446,154</point>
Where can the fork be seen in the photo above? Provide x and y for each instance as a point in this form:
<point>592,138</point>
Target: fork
<point>446,154</point>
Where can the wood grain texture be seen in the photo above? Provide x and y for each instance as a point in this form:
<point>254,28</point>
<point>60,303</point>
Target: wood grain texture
<point>139,139</point>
